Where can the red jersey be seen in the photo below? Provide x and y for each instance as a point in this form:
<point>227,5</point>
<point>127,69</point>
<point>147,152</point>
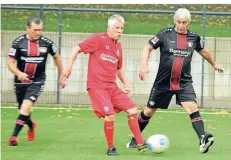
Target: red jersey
<point>104,60</point>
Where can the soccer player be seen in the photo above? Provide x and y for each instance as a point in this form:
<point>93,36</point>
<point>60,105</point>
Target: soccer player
<point>176,45</point>
<point>105,62</point>
<point>30,51</point>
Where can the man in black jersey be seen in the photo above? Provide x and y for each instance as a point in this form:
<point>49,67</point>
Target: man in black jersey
<point>176,45</point>
<point>30,51</point>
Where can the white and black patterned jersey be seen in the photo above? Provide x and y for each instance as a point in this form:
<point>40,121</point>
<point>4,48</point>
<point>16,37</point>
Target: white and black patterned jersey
<point>31,56</point>
<point>176,51</point>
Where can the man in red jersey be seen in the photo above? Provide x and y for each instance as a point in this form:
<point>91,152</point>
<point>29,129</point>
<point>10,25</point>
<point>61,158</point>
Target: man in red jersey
<point>105,62</point>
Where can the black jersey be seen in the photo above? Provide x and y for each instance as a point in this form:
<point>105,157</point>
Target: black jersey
<point>176,52</point>
<point>31,56</point>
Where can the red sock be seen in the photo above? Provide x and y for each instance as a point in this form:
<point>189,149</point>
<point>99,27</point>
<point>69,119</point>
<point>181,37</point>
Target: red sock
<point>109,133</point>
<point>134,127</point>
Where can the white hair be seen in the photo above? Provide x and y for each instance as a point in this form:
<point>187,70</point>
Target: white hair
<point>115,18</point>
<point>182,13</point>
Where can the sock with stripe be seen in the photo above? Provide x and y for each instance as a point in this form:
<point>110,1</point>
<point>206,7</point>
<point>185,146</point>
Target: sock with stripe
<point>109,133</point>
<point>134,127</point>
<point>197,123</point>
<point>29,122</point>
<point>21,120</point>
<point>143,121</point>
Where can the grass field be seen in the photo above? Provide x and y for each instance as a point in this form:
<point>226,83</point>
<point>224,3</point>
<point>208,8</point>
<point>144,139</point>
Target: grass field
<point>91,22</point>
<point>76,134</point>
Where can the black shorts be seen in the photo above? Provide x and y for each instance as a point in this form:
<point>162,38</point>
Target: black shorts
<point>160,98</point>
<point>28,91</point>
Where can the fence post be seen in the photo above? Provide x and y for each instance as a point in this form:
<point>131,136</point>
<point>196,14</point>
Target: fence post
<point>176,6</point>
<point>59,50</point>
<point>41,11</point>
<point>203,61</point>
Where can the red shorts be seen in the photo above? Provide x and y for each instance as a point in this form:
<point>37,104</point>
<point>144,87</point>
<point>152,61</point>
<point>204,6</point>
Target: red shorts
<point>109,100</point>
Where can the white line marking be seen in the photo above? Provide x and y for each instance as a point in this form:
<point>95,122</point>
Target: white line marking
<point>88,109</point>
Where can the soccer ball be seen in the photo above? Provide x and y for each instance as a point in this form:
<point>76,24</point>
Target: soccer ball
<point>158,143</point>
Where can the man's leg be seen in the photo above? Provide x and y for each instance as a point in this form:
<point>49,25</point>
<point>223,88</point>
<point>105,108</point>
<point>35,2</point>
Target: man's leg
<point>134,127</point>
<point>187,98</point>
<point>102,107</point>
<point>24,113</point>
<point>157,99</point>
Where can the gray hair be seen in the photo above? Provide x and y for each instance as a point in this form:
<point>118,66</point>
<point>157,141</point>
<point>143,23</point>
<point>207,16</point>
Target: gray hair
<point>115,18</point>
<point>34,20</point>
<point>182,13</point>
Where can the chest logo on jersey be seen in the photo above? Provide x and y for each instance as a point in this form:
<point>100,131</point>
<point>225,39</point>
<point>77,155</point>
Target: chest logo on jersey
<point>107,47</point>
<point>43,49</point>
<point>190,44</point>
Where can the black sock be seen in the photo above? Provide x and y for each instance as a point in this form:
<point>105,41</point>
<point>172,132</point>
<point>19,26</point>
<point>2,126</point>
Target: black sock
<point>19,124</point>
<point>29,122</point>
<point>197,123</point>
<point>143,121</point>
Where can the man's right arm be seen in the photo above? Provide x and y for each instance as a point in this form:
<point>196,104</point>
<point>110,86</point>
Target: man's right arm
<point>144,61</point>
<point>12,67</point>
<point>67,71</point>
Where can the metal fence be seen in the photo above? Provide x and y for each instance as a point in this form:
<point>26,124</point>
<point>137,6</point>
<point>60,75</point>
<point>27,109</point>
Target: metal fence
<point>213,90</point>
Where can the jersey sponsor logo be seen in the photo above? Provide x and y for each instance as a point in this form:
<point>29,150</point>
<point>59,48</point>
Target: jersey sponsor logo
<point>154,40</point>
<point>33,59</point>
<point>24,49</point>
<point>12,52</point>
<point>43,49</point>
<point>54,48</point>
<point>190,44</point>
<point>108,57</point>
<point>177,52</point>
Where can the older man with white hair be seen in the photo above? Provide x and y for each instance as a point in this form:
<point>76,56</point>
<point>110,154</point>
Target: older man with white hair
<point>107,99</point>
<point>177,45</point>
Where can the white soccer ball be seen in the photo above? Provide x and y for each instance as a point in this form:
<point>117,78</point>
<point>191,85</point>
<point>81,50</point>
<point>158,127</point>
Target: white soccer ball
<point>158,143</point>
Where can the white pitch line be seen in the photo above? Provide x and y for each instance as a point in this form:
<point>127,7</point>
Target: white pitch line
<point>88,109</point>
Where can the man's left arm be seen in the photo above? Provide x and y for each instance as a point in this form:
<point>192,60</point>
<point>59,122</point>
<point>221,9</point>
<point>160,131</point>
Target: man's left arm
<point>58,62</point>
<point>122,77</point>
<point>207,56</point>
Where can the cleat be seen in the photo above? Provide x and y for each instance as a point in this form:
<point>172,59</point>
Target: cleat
<point>13,141</point>
<point>206,141</point>
<point>131,143</point>
<point>142,147</point>
<point>31,133</point>
<point>112,152</point>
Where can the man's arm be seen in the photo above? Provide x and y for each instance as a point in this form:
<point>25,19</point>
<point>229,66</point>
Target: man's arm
<point>122,77</point>
<point>67,71</point>
<point>12,67</point>
<point>144,61</point>
<point>207,56</point>
<point>58,62</point>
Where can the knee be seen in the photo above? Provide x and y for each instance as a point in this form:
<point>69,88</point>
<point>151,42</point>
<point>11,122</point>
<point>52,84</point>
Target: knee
<point>26,107</point>
<point>109,118</point>
<point>132,111</point>
<point>190,107</point>
<point>149,111</point>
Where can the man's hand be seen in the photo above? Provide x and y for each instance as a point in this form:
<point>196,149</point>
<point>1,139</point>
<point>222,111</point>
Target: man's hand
<point>23,77</point>
<point>143,72</point>
<point>218,68</point>
<point>127,88</point>
<point>63,80</point>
